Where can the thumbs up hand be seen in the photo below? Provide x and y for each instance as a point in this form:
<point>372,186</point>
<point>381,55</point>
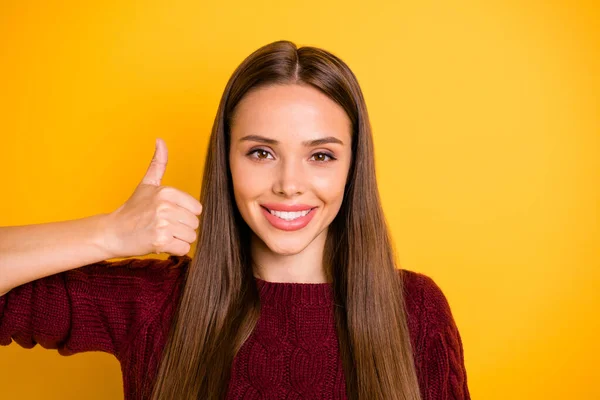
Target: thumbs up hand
<point>155,218</point>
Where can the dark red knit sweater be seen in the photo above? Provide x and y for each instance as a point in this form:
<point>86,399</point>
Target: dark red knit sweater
<point>125,308</point>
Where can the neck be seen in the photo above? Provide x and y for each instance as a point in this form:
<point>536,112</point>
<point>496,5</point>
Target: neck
<point>305,266</point>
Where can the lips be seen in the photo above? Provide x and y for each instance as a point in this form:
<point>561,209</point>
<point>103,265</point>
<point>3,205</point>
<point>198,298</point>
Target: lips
<point>285,225</point>
<point>287,207</point>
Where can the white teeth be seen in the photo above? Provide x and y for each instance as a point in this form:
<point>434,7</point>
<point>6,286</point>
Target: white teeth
<point>289,216</point>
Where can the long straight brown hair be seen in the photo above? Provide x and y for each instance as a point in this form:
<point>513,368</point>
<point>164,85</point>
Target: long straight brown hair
<point>219,304</point>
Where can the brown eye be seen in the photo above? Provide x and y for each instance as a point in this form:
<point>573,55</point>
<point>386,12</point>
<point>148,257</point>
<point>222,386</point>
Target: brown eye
<point>322,157</point>
<point>261,153</point>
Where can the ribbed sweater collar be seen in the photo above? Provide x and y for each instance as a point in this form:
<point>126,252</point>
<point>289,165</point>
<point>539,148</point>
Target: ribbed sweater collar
<point>288,293</point>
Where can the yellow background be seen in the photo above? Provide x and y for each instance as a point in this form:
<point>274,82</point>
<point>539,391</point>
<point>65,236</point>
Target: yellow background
<point>486,125</point>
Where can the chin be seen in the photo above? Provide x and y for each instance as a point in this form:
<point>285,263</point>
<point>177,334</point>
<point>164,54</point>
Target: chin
<point>286,248</point>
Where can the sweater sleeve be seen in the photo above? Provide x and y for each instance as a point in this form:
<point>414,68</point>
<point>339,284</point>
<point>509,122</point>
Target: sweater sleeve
<point>444,376</point>
<point>96,307</point>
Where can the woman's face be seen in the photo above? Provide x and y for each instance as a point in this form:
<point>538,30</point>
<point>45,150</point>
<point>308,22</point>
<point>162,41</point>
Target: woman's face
<point>289,156</point>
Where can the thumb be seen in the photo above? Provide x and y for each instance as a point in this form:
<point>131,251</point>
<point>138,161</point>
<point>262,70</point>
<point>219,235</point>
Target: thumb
<point>158,165</point>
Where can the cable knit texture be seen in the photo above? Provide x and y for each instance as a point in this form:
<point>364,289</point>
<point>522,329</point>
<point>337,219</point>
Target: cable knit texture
<point>125,308</point>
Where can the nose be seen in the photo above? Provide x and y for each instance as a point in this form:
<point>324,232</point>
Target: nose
<point>290,180</point>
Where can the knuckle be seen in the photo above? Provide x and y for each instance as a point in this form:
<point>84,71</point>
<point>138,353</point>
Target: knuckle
<point>160,239</point>
<point>163,207</point>
<point>165,191</point>
<point>161,224</point>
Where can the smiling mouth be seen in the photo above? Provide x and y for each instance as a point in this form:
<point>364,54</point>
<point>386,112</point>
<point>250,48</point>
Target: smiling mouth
<point>289,215</point>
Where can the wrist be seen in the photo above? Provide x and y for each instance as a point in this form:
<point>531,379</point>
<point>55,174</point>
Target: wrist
<point>105,238</point>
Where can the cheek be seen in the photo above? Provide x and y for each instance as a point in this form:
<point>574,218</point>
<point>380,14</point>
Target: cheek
<point>330,188</point>
<point>247,184</point>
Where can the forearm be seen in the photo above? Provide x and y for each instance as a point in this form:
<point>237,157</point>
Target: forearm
<point>31,252</point>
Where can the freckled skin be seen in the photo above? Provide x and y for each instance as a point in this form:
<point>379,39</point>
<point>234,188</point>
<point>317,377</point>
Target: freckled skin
<point>290,173</point>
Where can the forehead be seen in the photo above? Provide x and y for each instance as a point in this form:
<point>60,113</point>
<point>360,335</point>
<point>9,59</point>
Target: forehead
<point>280,110</point>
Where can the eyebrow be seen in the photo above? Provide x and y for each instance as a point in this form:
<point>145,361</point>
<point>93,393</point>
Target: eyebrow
<point>307,143</point>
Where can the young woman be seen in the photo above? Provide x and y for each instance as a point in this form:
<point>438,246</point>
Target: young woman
<point>293,290</point>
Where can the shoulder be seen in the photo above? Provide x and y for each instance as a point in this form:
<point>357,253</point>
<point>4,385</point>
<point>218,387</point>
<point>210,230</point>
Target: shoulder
<point>437,343</point>
<point>426,304</point>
